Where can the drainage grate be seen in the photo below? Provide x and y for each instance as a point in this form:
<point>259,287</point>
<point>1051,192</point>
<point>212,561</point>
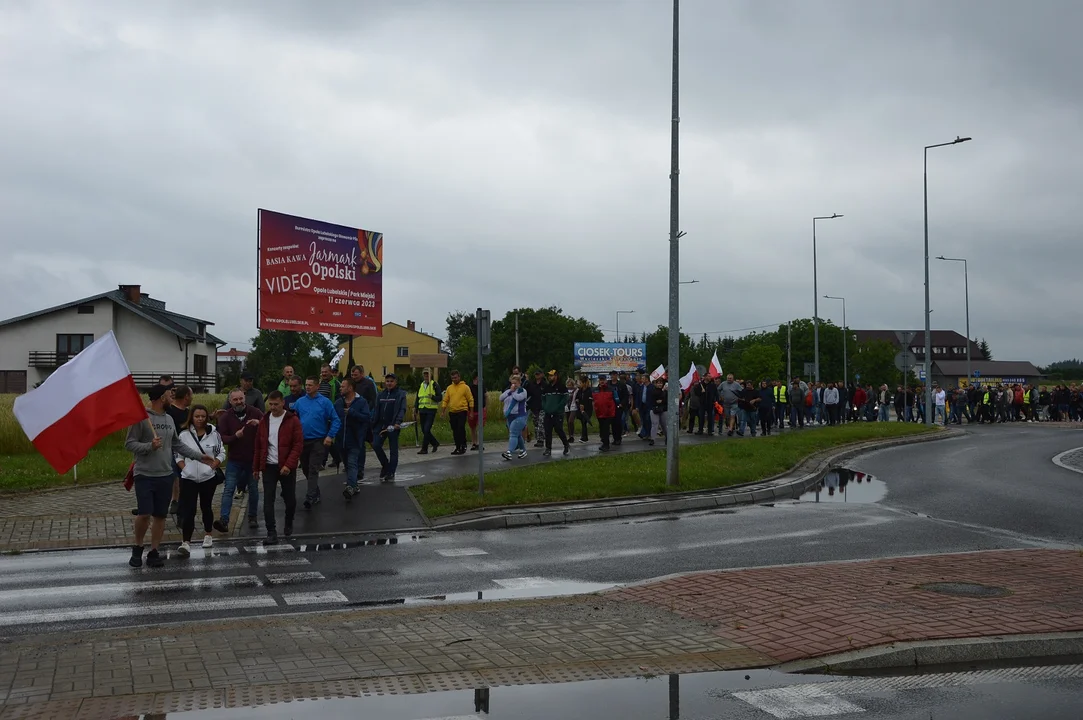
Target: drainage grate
<point>41,711</point>
<point>966,589</point>
<point>455,680</point>
<point>188,700</point>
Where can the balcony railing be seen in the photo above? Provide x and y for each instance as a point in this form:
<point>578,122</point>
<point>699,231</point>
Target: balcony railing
<point>199,382</point>
<point>48,358</point>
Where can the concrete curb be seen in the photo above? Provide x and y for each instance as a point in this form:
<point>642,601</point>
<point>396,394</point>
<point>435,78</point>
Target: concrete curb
<point>926,653</point>
<point>788,485</point>
<point>1058,460</point>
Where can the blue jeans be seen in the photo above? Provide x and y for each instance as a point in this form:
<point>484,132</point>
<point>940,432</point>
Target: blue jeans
<point>940,414</point>
<point>354,455</point>
<point>797,416</point>
<point>646,423</point>
<point>392,438</point>
<point>238,475</point>
<point>884,407</point>
<point>515,434</point>
<point>751,417</point>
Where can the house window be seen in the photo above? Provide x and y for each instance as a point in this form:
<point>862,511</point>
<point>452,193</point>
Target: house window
<point>199,364</point>
<point>403,351</point>
<point>85,309</point>
<point>68,345</point>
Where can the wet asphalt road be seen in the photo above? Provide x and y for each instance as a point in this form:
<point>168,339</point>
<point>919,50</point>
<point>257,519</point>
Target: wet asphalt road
<point>995,488</point>
<point>1050,693</point>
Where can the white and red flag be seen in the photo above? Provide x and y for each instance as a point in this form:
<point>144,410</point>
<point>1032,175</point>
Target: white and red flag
<point>86,399</point>
<point>691,377</point>
<point>715,369</point>
<point>658,372</point>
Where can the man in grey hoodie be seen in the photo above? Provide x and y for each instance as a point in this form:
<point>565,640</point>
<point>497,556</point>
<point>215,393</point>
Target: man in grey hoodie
<point>730,392</point>
<point>151,442</point>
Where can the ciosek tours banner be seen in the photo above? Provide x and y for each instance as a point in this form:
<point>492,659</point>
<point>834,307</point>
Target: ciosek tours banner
<point>606,357</point>
<point>319,277</point>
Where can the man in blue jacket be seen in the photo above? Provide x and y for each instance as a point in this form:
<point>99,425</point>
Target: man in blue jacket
<point>355,416</point>
<point>387,421</point>
<point>320,425</point>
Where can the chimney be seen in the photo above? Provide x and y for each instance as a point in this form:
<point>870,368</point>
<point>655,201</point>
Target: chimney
<point>409,324</point>
<point>131,293</point>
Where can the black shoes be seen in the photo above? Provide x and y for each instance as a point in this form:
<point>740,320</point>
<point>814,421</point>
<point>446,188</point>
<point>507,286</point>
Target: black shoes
<point>137,556</point>
<point>423,451</point>
<point>154,560</point>
<point>567,448</point>
<point>546,452</point>
<point>287,531</point>
<point>310,502</point>
<point>474,446</point>
<point>220,526</point>
<point>253,522</point>
<point>271,539</point>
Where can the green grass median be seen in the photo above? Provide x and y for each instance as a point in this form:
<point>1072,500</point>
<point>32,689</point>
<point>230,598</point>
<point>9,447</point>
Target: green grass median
<point>703,467</point>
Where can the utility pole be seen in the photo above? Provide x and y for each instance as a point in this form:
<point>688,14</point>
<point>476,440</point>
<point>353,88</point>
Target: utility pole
<point>789,353</point>
<point>517,341</point>
<point>673,424</point>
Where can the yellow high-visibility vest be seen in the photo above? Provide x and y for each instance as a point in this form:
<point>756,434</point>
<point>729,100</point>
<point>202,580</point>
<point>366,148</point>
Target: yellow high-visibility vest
<point>426,397</point>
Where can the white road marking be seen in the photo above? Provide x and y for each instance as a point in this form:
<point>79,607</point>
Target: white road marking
<point>149,611</point>
<point>523,583</point>
<point>798,701</point>
<point>64,560</point>
<point>461,552</point>
<point>290,578</point>
<point>128,588</point>
<point>282,562</point>
<point>1060,463</point>
<point>263,549</point>
<point>315,598</point>
<point>36,576</point>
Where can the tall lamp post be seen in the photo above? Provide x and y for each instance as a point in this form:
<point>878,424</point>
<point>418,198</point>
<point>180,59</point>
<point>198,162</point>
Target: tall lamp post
<point>845,367</point>
<point>673,420</point>
<point>966,286</point>
<point>816,297</point>
<point>928,326</point>
<point>619,313</point>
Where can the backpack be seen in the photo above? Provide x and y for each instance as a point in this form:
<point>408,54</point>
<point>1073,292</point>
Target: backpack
<point>437,392</point>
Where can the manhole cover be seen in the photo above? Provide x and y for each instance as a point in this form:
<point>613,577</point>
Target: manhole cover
<point>966,589</point>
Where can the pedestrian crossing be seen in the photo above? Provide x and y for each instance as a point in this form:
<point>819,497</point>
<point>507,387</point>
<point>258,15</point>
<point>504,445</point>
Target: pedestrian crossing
<point>41,591</point>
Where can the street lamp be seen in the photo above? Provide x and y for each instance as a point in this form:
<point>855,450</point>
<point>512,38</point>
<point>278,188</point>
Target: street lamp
<point>966,286</point>
<point>845,373</point>
<point>816,296</point>
<point>619,313</point>
<point>688,282</point>
<point>928,326</point>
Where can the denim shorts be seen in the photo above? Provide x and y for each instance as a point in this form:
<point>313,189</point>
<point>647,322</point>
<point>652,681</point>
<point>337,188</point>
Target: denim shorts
<point>152,495</point>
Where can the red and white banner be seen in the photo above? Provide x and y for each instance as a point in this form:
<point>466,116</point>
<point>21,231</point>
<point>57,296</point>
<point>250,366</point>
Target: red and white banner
<point>691,377</point>
<point>715,369</point>
<point>86,399</point>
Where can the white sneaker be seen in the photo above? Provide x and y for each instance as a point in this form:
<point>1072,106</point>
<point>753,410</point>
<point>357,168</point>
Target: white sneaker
<point>522,454</point>
<point>208,542</point>
<point>184,550</point>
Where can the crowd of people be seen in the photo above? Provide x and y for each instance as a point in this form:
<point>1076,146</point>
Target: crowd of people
<point>183,452</point>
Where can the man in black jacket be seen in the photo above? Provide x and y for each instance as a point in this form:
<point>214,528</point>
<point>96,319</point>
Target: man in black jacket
<point>620,395</point>
<point>534,390</point>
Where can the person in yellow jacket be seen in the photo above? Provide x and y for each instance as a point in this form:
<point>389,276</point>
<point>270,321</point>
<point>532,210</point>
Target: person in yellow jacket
<point>457,404</point>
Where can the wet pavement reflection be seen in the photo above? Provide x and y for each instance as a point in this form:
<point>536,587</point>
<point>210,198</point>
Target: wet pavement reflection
<point>842,485</point>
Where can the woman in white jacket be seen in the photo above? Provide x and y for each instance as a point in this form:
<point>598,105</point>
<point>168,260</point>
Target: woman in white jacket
<point>198,480</point>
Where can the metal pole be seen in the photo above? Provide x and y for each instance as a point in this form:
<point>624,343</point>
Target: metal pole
<point>480,411</point>
<point>789,353</point>
<point>928,327</point>
<point>845,367</point>
<point>674,697</point>
<point>517,341</point>
<point>966,286</point>
<point>617,330</point>
<point>815,308</point>
<point>350,360</point>
<point>673,424</point>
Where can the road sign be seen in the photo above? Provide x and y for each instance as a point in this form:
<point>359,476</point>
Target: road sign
<point>905,359</point>
<point>905,336</point>
<point>810,368</point>
<point>921,374</point>
<point>977,373</point>
<point>857,376</point>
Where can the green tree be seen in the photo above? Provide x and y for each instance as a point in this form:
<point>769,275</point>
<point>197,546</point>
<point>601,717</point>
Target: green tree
<point>460,324</point>
<point>274,349</point>
<point>986,353</point>
<point>658,351</point>
<point>546,337</point>
<point>874,361</point>
<point>760,362</point>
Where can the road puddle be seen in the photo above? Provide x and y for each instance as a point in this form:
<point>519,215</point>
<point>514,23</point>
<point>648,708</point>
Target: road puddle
<point>843,485</point>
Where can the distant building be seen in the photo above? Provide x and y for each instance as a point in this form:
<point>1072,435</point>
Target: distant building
<point>400,350</point>
<point>947,344</point>
<point>952,373</point>
<point>233,356</point>
<point>155,341</point>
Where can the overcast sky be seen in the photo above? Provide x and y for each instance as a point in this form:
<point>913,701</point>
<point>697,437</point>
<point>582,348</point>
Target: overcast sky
<point>516,153</point>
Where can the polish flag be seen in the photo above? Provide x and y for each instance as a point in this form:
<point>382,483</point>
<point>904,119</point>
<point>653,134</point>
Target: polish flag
<point>658,372</point>
<point>86,399</point>
<point>715,369</point>
<point>691,377</point>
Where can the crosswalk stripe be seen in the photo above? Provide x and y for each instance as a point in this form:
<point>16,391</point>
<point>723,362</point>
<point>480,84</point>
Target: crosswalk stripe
<point>290,578</point>
<point>798,701</point>
<point>264,549</point>
<point>154,610</point>
<point>523,583</point>
<point>282,562</point>
<point>72,560</point>
<point>461,552</point>
<point>123,571</point>
<point>315,598</point>
<point>127,588</point>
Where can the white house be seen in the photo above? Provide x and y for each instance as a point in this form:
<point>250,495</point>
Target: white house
<point>154,340</point>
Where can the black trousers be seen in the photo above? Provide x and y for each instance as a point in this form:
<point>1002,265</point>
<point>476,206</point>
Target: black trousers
<point>272,478</point>
<point>190,492</point>
<point>554,421</point>
<point>458,428</point>
<point>832,414</point>
<point>695,415</point>
<point>605,427</point>
<point>766,416</point>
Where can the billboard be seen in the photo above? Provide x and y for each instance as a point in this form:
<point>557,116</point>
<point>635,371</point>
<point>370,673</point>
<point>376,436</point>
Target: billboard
<point>319,277</point>
<point>604,357</point>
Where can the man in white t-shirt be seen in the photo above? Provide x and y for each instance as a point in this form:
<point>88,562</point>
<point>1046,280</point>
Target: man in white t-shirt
<point>279,440</point>
<point>941,399</point>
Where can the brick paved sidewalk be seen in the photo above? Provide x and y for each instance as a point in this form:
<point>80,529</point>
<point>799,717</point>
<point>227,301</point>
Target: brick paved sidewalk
<point>699,622</point>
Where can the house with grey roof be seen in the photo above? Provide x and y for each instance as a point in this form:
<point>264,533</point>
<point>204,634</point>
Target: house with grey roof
<point>155,341</point>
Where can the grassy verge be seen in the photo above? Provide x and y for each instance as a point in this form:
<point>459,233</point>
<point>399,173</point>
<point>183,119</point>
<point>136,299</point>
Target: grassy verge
<point>706,466</point>
<point>22,468</point>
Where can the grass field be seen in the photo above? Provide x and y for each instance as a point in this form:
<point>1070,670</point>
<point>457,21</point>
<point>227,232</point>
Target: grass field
<point>22,468</point>
<point>710,465</point>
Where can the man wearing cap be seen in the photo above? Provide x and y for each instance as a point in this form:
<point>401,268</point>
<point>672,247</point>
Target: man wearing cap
<point>554,400</point>
<point>457,404</point>
<point>252,394</point>
<point>534,390</point>
<point>390,409</point>
<point>150,441</point>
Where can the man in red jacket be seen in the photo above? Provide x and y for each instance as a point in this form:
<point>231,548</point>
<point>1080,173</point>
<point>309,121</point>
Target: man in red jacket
<point>279,440</point>
<point>605,409</point>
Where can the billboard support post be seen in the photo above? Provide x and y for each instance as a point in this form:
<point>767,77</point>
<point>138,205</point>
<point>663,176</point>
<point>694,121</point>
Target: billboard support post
<point>484,348</point>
